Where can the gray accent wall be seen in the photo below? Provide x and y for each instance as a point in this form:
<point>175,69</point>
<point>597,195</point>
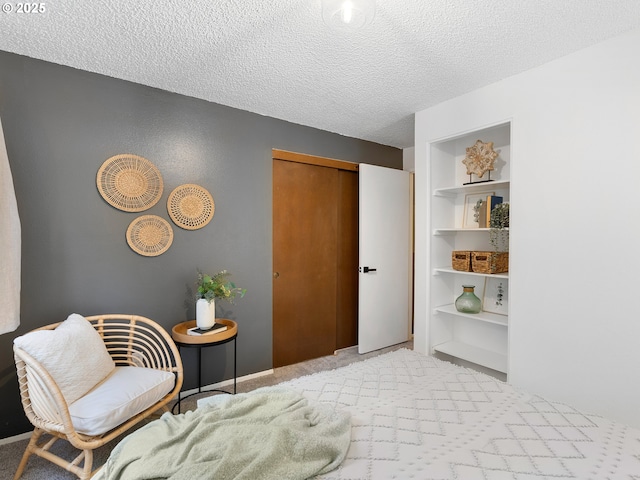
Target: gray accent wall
<point>60,125</point>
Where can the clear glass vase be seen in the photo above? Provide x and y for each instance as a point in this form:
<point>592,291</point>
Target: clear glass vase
<point>468,302</point>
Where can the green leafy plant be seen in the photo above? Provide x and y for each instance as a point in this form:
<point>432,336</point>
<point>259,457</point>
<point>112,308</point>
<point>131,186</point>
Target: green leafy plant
<point>499,227</point>
<point>218,286</point>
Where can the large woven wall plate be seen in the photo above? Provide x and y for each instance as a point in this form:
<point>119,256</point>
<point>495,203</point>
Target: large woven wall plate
<point>190,206</point>
<point>150,235</point>
<point>129,182</point>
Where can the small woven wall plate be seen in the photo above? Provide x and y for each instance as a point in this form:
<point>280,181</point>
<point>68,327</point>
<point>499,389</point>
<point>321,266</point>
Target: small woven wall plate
<point>190,206</point>
<point>150,235</point>
<point>129,182</point>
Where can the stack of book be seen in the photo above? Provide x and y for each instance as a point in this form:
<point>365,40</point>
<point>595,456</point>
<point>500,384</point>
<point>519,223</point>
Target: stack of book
<point>217,328</point>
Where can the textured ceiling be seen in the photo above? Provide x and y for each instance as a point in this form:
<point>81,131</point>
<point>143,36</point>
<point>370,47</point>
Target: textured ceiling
<point>277,57</point>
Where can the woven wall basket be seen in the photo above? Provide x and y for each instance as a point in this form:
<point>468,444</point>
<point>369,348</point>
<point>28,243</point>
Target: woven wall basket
<point>129,182</point>
<point>190,206</point>
<point>149,235</point>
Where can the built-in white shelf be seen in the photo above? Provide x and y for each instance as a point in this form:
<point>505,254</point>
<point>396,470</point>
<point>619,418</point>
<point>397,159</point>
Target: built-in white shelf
<point>480,317</point>
<point>481,338</point>
<point>449,270</point>
<point>472,188</point>
<point>480,356</point>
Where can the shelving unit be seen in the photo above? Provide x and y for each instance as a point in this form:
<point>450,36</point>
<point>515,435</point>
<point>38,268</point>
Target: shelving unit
<point>482,338</point>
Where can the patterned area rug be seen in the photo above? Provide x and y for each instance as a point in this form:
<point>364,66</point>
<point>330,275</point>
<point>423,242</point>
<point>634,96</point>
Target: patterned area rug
<point>414,416</point>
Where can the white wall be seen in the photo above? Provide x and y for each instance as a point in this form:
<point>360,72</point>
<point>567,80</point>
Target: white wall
<point>409,159</point>
<point>575,205</point>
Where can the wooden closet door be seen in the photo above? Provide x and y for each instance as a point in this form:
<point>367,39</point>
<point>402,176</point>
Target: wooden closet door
<point>305,229</point>
<point>347,262</point>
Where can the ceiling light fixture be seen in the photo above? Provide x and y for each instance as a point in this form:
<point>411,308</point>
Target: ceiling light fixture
<point>348,14</point>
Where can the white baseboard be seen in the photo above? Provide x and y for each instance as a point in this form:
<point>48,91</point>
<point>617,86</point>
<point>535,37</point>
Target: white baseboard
<point>226,383</point>
<point>16,438</point>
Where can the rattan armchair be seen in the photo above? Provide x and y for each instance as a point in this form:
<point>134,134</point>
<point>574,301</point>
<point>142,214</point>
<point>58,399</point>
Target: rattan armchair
<point>130,340</point>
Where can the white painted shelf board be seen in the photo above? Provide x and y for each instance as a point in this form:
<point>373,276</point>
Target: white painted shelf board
<point>480,317</point>
<point>451,231</point>
<point>473,188</point>
<point>475,274</point>
<point>495,361</point>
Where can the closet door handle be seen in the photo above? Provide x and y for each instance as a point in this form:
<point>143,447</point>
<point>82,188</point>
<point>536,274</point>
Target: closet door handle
<point>367,269</point>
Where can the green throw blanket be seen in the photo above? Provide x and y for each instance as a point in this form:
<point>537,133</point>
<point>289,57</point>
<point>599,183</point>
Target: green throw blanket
<point>271,433</point>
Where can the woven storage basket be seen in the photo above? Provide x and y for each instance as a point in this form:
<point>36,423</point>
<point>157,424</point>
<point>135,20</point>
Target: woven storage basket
<point>490,262</point>
<point>461,260</point>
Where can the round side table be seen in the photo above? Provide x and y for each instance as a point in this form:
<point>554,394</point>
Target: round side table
<point>184,340</point>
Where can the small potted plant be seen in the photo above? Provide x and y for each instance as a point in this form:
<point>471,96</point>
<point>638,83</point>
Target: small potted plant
<point>499,237</point>
<point>499,227</point>
<point>209,288</point>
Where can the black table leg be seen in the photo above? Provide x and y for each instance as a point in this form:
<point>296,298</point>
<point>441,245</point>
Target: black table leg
<point>199,367</point>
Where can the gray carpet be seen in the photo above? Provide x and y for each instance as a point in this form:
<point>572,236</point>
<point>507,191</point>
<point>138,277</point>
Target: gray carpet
<point>40,469</point>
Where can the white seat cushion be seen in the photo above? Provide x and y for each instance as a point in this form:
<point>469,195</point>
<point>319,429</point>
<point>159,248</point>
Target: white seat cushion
<point>123,394</point>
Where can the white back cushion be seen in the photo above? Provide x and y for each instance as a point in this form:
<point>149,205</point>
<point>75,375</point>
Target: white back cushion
<point>73,354</point>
